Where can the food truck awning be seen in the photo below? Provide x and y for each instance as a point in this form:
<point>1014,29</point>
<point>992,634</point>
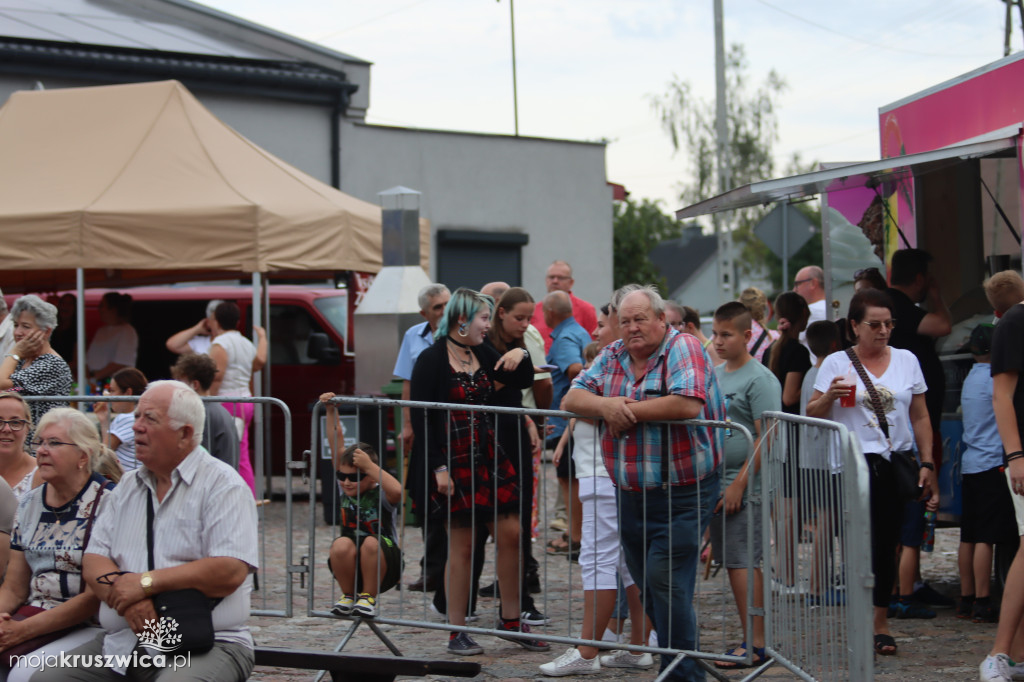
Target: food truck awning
<point>847,176</point>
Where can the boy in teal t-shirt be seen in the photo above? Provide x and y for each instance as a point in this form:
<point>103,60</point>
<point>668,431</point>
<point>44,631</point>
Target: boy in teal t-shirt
<point>750,389</point>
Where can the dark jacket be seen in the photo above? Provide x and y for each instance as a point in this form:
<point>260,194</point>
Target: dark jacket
<point>431,382</point>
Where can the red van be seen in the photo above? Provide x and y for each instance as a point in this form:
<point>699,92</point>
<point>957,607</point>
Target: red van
<point>310,341</point>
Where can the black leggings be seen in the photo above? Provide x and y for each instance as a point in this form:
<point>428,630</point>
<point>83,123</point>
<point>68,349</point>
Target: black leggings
<point>886,513</point>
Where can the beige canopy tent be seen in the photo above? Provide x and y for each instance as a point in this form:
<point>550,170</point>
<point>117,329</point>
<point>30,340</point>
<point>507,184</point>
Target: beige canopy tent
<point>132,184</point>
<point>141,183</point>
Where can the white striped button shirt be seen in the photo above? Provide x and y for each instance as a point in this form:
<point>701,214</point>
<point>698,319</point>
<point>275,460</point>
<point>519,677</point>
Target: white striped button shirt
<point>209,511</point>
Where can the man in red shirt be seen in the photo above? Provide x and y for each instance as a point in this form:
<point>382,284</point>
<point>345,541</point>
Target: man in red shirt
<point>559,278</point>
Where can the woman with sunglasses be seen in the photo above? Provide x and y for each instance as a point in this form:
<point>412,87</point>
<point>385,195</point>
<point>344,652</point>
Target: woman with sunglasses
<point>458,474</point>
<point>17,467</point>
<point>44,608</point>
<point>897,379</point>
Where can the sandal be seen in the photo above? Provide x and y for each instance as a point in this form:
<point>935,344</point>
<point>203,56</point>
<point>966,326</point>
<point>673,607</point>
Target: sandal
<point>760,657</point>
<point>885,645</point>
<point>559,545</point>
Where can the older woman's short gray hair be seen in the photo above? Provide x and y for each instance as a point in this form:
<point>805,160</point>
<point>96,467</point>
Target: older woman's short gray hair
<point>45,313</point>
<point>648,290</point>
<point>186,407</point>
<point>79,428</point>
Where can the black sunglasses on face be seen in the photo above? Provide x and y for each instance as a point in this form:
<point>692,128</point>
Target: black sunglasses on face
<point>354,477</point>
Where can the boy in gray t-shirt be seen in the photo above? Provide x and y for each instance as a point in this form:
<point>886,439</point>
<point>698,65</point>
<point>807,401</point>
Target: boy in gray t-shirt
<point>750,389</point>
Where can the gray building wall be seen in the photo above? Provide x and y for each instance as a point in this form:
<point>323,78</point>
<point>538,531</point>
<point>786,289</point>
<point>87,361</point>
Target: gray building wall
<point>554,191</point>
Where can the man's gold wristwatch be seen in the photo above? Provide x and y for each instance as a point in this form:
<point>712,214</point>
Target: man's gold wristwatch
<point>147,583</point>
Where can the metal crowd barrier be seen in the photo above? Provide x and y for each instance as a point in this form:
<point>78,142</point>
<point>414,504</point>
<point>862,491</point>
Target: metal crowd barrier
<point>818,604</point>
<point>717,619</point>
<point>269,576</point>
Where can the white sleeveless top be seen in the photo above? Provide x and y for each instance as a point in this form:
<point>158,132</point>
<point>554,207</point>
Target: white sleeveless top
<point>241,353</point>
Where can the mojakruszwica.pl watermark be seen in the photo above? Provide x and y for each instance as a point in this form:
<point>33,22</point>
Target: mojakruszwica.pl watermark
<point>157,643</point>
<point>135,659</point>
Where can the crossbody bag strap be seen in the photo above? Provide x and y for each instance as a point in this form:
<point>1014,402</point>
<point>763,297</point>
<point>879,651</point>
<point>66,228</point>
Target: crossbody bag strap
<point>88,530</point>
<point>760,340</point>
<point>149,527</point>
<point>876,401</point>
<point>665,476</point>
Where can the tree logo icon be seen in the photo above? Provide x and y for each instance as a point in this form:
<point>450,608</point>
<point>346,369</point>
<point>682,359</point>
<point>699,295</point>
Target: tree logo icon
<point>159,634</point>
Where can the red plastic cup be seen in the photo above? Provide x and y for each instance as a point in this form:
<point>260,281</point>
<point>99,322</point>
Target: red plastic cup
<point>850,398</point>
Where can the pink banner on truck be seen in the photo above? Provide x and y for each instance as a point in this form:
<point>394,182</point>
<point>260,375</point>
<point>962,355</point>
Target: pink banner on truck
<point>966,107</point>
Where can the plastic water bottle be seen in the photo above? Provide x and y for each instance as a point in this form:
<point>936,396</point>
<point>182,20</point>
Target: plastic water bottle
<point>928,539</point>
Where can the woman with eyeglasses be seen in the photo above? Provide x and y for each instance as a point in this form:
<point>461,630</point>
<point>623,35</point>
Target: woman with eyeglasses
<point>17,467</point>
<point>44,606</point>
<point>899,384</point>
<point>32,367</point>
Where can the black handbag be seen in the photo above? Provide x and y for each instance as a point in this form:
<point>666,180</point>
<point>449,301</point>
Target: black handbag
<point>905,468</point>
<point>190,609</point>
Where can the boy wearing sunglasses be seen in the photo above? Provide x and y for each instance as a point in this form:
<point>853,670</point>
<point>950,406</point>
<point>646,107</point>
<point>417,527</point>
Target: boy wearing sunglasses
<point>365,560</point>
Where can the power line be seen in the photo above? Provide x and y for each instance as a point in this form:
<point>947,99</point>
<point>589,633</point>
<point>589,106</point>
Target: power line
<point>334,34</point>
<point>828,29</point>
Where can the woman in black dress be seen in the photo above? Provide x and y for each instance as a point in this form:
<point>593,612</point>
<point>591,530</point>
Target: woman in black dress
<point>518,436</point>
<point>458,474</point>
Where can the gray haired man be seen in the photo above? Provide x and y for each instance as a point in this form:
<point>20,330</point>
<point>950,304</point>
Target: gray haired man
<point>204,535</point>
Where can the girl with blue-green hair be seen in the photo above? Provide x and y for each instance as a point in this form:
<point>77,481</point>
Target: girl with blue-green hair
<point>458,475</point>
<point>463,306</point>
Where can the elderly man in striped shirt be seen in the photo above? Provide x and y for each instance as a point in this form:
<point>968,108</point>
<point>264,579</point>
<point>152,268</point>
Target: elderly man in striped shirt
<point>667,476</point>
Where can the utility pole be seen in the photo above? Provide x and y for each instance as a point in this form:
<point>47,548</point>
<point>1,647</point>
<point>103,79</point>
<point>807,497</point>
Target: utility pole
<point>515,89</point>
<point>1008,29</point>
<point>722,232</point>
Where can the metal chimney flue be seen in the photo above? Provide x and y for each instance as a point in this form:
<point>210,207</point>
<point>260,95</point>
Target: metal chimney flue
<point>400,217</point>
<point>391,304</point>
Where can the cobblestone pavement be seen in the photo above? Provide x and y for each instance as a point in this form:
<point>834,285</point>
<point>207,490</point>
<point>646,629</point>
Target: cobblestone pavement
<point>941,649</point>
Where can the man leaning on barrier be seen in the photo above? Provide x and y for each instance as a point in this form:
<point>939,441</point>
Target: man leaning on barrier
<point>204,538</point>
<point>654,374</point>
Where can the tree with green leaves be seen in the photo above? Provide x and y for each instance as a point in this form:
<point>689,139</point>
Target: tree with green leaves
<point>753,131</point>
<point>638,228</point>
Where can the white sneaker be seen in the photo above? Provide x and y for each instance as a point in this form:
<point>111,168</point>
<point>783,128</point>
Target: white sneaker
<point>996,669</point>
<point>620,658</point>
<point>613,637</point>
<point>571,663</point>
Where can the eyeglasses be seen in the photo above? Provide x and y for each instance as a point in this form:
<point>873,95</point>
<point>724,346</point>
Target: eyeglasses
<point>50,443</point>
<point>354,476</point>
<point>559,277</point>
<point>801,281</point>
<point>13,424</point>
<point>866,272</point>
<point>109,578</point>
<point>876,325</point>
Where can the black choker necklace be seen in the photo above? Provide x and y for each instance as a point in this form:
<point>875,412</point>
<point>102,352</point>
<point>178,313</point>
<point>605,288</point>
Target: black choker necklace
<point>460,345</point>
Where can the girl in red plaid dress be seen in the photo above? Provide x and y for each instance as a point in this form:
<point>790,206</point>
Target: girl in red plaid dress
<point>458,473</point>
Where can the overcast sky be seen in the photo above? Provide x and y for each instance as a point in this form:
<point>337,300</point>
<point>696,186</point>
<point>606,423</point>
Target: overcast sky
<point>587,69</point>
